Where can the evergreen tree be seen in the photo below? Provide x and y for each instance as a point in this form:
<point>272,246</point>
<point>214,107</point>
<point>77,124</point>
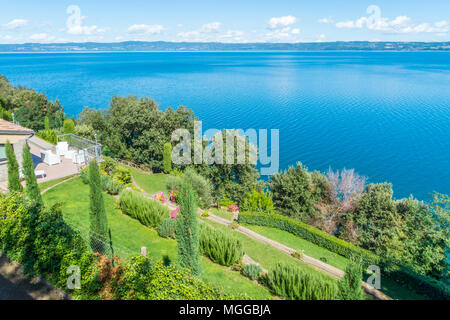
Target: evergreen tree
<point>98,230</point>
<point>46,123</point>
<point>187,232</point>
<point>167,155</point>
<point>32,188</point>
<point>350,285</point>
<point>68,126</point>
<point>13,169</point>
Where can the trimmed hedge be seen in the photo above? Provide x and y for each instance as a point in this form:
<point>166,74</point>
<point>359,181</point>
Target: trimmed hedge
<point>220,247</point>
<point>421,284</point>
<point>147,211</point>
<point>309,233</point>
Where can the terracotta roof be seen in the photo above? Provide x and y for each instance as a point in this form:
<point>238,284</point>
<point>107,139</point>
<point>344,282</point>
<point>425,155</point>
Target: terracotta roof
<point>7,127</point>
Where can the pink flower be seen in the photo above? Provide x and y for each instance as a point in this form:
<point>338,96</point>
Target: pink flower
<point>160,197</point>
<point>173,213</point>
<point>173,196</point>
<point>233,208</point>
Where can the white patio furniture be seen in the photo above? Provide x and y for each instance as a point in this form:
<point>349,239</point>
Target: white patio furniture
<point>79,158</point>
<point>49,157</point>
<point>70,154</point>
<point>62,148</point>
<point>40,173</point>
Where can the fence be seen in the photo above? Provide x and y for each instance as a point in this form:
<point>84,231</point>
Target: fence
<point>92,149</point>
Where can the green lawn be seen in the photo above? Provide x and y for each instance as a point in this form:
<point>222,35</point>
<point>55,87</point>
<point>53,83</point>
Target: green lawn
<point>129,236</point>
<point>47,184</point>
<point>150,183</point>
<point>225,214</point>
<point>297,243</point>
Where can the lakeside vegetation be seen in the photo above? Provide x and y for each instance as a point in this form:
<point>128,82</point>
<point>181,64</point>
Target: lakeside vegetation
<point>335,213</point>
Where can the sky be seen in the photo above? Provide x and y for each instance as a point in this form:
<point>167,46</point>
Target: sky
<point>239,21</point>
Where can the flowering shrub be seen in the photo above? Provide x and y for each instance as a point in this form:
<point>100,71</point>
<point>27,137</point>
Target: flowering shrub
<point>233,208</point>
<point>160,197</point>
<point>173,196</point>
<point>174,213</point>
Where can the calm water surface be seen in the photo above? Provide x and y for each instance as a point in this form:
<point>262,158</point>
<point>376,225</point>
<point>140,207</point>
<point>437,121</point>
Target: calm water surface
<point>385,114</point>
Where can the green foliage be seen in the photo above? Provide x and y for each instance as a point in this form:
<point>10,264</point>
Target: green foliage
<point>84,175</point>
<point>167,228</point>
<point>147,211</point>
<point>46,123</point>
<point>201,186</point>
<point>49,135</point>
<point>258,202</point>
<point>32,188</point>
<point>167,157</point>
<point>350,285</point>
<point>298,254</point>
<point>69,126</point>
<point>294,283</point>
<point>110,186</point>
<point>98,228</point>
<point>5,114</point>
<point>251,271</point>
<point>13,169</point>
<point>293,193</point>
<point>143,279</point>
<point>222,248</point>
<point>123,176</point>
<point>376,218</point>
<point>188,231</point>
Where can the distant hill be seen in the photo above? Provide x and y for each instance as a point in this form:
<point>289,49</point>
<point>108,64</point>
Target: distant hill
<point>216,46</point>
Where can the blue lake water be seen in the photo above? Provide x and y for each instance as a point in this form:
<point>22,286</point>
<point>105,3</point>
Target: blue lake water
<point>385,114</point>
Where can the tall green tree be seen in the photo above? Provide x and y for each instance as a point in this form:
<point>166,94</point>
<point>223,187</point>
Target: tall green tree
<point>13,169</point>
<point>349,287</point>
<point>32,188</point>
<point>98,230</point>
<point>167,157</point>
<point>46,123</point>
<point>187,231</point>
<point>69,126</point>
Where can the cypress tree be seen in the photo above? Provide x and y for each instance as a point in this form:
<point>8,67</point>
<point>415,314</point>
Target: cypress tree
<point>350,285</point>
<point>187,231</point>
<point>98,230</point>
<point>13,169</point>
<point>32,188</point>
<point>167,157</point>
<point>46,123</point>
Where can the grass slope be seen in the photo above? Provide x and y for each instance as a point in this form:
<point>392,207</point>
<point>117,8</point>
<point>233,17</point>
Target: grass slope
<point>129,235</point>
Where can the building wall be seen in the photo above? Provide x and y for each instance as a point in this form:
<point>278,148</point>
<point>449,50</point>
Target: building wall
<point>18,147</point>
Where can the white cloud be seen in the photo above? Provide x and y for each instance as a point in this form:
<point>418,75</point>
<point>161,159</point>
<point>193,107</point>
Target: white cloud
<point>401,24</point>
<point>41,37</point>
<point>295,31</point>
<point>325,20</point>
<point>204,33</point>
<point>321,38</point>
<point>5,38</point>
<point>145,29</point>
<point>15,24</point>
<point>282,21</point>
<point>74,23</point>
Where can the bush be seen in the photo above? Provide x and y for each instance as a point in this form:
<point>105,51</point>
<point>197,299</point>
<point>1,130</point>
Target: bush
<point>251,271</point>
<point>258,202</point>
<point>166,228</point>
<point>110,186</point>
<point>84,175</point>
<point>149,212</point>
<point>220,247</point>
<point>123,176</point>
<point>167,157</point>
<point>201,186</point>
<point>294,283</point>
<point>49,135</point>
<point>350,285</point>
<point>69,126</point>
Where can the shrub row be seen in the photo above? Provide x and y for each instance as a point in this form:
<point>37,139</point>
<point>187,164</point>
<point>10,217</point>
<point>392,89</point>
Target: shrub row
<point>421,284</point>
<point>147,211</point>
<point>220,247</point>
<point>167,228</point>
<point>294,283</point>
